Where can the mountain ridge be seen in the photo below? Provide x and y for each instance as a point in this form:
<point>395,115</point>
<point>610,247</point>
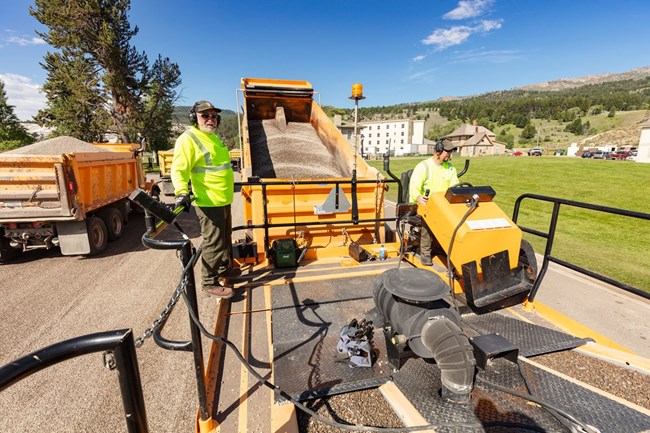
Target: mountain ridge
<point>567,83</point>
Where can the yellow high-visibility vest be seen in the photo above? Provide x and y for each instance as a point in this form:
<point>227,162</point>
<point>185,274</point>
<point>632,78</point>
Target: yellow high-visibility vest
<point>203,159</point>
<point>434,177</point>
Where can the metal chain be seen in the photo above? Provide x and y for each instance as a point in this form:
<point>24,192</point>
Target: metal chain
<point>164,315</point>
<point>174,298</point>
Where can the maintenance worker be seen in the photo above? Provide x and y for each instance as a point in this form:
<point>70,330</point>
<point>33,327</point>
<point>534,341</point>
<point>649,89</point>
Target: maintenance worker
<point>200,157</point>
<point>434,174</point>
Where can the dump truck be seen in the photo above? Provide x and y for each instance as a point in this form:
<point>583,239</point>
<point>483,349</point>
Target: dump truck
<point>304,186</point>
<point>165,158</point>
<point>66,193</point>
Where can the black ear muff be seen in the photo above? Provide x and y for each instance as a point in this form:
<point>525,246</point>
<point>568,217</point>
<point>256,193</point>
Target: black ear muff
<point>192,115</point>
<point>439,146</point>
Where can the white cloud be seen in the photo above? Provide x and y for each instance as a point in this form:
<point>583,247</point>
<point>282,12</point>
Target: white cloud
<point>487,56</point>
<point>10,38</point>
<point>418,58</point>
<point>24,95</point>
<point>444,38</point>
<point>468,9</point>
<point>24,41</point>
<point>488,25</point>
<point>456,35</point>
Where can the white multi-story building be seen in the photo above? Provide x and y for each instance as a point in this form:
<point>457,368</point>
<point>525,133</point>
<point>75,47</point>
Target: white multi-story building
<point>403,136</point>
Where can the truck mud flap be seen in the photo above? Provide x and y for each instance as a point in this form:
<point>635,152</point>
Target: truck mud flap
<point>73,237</point>
<point>499,288</point>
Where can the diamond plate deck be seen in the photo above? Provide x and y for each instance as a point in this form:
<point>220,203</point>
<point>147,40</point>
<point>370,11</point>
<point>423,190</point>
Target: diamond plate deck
<point>307,319</point>
<point>493,410</point>
<point>531,339</point>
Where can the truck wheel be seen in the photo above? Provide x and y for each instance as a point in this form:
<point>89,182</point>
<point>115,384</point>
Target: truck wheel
<point>97,235</point>
<point>114,224</point>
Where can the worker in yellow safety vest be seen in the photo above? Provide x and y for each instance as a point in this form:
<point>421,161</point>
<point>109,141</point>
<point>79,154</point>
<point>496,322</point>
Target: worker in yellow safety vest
<point>434,174</point>
<point>201,158</point>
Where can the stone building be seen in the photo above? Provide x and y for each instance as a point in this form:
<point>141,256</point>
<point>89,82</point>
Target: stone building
<point>474,140</point>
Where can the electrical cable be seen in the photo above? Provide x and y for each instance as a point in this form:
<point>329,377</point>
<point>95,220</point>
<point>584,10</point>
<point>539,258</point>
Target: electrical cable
<point>450,274</point>
<point>552,408</point>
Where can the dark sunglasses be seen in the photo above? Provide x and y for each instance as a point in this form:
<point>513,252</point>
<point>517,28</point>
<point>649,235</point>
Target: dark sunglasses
<point>209,116</point>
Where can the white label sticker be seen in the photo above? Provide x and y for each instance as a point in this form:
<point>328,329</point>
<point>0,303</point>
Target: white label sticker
<point>493,223</point>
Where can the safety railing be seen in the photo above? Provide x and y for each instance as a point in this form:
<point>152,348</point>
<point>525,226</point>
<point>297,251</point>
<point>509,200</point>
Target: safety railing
<point>254,181</point>
<point>119,344</point>
<point>550,237</point>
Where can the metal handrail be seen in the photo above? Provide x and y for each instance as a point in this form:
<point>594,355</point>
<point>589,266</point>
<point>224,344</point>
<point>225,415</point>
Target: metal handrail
<point>550,237</point>
<point>119,342</point>
<point>188,259</point>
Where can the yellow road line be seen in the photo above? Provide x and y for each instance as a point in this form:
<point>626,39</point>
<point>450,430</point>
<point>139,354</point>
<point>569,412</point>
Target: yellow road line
<point>243,371</point>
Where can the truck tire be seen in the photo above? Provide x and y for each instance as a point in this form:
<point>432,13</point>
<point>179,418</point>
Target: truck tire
<point>97,235</point>
<point>114,222</point>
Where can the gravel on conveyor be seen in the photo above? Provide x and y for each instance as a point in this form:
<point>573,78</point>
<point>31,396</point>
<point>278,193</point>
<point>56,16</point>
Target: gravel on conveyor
<point>297,152</point>
<point>368,407</point>
<point>55,146</point>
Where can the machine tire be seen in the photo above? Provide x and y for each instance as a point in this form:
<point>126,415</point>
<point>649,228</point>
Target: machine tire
<point>527,260</point>
<point>97,235</point>
<point>112,218</point>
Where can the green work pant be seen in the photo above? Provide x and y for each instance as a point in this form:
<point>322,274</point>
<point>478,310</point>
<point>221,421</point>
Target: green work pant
<point>216,230</point>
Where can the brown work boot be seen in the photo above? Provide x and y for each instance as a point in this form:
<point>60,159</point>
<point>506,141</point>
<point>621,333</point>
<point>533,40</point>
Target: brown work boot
<point>219,291</point>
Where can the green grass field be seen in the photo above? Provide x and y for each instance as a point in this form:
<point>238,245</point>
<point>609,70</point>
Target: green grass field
<point>611,245</point>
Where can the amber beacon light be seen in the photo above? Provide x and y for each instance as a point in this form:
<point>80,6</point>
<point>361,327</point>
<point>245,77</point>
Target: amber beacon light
<point>357,91</point>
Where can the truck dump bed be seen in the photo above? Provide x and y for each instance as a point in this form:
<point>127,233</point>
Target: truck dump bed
<point>66,192</point>
<point>300,174</point>
<point>64,179</point>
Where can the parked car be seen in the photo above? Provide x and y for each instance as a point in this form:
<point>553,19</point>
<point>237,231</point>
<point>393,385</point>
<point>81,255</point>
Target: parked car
<point>535,151</point>
<point>599,154</point>
<point>620,154</point>
<point>588,155</point>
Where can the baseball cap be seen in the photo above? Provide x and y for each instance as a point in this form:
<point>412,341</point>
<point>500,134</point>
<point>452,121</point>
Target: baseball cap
<point>448,145</point>
<point>205,105</point>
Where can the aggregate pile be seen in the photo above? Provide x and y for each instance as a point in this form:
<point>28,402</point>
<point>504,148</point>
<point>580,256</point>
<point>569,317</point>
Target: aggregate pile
<point>297,152</point>
<point>56,146</point>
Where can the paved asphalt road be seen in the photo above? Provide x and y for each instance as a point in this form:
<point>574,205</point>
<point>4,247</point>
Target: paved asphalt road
<point>47,298</point>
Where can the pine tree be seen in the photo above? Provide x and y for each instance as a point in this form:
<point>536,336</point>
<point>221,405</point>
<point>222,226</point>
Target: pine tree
<point>99,32</point>
<point>12,133</point>
<point>76,102</point>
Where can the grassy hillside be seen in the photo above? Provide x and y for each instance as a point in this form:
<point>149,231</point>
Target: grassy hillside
<point>608,244</point>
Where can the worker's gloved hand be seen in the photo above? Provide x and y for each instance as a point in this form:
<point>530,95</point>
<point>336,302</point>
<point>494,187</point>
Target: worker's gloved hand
<point>183,200</point>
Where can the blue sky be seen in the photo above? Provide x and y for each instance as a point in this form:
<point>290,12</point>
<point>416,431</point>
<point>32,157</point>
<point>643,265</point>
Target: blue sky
<point>401,51</point>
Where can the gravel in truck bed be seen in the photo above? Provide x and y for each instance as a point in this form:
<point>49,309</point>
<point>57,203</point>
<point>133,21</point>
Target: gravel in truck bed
<point>56,146</point>
<point>297,152</point>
